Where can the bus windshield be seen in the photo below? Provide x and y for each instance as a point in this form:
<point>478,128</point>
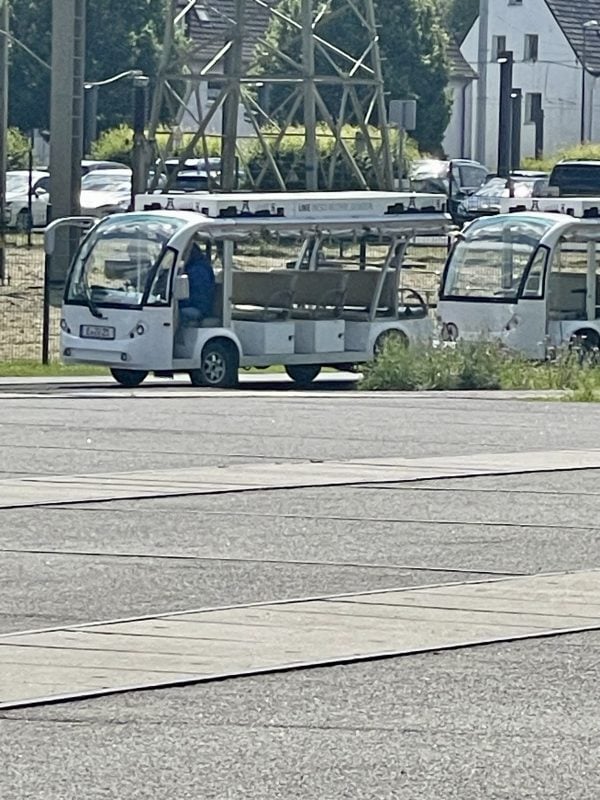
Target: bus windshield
<point>115,263</point>
<point>491,258</point>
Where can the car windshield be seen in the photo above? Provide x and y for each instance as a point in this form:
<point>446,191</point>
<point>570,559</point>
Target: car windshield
<point>116,261</point>
<point>491,258</point>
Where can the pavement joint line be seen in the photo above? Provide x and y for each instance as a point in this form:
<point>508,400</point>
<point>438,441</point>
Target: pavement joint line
<point>292,667</point>
<point>229,559</point>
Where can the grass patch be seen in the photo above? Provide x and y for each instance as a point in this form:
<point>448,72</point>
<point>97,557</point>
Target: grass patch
<point>34,369</point>
<point>481,366</point>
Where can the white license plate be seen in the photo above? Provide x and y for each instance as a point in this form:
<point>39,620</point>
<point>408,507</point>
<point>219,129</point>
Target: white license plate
<point>96,332</point>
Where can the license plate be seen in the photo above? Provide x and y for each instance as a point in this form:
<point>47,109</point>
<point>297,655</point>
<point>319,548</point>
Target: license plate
<point>96,332</point>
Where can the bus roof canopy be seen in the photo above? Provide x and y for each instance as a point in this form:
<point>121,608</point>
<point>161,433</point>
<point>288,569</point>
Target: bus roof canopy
<point>296,205</point>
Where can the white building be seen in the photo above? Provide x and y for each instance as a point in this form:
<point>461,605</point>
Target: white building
<point>551,41</point>
<point>459,133</point>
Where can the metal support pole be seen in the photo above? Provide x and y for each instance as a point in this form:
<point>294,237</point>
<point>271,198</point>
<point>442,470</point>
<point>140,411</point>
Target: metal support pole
<point>538,119</point>
<point>30,190</point>
<point>4,51</point>
<point>139,153</point>
<point>505,117</point>
<point>517,115</point>
<point>90,124</point>
<point>583,85</point>
<point>311,156</point>
<point>231,106</point>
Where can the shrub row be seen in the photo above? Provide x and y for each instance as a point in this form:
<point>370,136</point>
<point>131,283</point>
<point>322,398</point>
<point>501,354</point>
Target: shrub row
<point>481,365</point>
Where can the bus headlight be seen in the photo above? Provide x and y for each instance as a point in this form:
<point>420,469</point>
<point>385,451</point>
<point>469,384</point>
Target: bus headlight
<point>64,327</point>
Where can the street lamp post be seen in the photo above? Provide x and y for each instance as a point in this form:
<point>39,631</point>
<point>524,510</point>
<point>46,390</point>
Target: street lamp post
<point>505,116</point>
<point>591,24</point>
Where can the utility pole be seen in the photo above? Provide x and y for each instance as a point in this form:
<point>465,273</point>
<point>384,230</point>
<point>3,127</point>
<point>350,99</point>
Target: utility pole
<point>66,122</point>
<point>311,155</point>
<point>482,83</point>
<point>233,66</point>
<point>4,22</point>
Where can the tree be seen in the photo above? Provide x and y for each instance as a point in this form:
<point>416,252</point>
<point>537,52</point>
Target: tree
<point>460,16</point>
<point>413,43</point>
<point>120,36</point>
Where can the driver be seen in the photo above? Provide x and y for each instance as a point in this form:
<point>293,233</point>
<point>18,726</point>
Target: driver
<point>201,279</point>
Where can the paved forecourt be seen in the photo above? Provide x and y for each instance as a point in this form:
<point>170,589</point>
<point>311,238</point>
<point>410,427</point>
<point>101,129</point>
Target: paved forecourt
<point>171,649</point>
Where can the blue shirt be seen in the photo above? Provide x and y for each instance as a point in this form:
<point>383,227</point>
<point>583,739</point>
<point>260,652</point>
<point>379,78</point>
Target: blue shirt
<point>202,283</point>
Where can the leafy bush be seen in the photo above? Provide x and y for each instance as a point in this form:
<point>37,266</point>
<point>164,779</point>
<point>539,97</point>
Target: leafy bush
<point>114,145</point>
<point>17,146</point>
<point>584,151</point>
<point>480,365</point>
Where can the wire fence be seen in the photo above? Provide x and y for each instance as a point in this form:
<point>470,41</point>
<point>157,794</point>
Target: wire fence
<point>22,302</point>
<point>22,296</point>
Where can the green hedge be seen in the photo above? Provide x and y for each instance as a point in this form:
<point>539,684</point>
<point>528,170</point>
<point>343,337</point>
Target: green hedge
<point>115,145</point>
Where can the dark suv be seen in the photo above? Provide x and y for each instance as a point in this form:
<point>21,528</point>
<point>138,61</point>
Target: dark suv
<point>576,179</point>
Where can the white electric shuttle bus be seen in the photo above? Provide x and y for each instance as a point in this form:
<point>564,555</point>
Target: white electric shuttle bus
<point>528,279</point>
<point>302,280</point>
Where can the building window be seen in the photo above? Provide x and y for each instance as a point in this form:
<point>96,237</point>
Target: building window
<point>532,42</point>
<point>498,46</point>
<point>533,106</point>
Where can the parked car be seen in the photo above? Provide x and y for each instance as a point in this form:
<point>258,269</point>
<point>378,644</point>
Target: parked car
<point>575,178</point>
<point>103,191</point>
<point>487,200</point>
<point>457,178</point>
<point>16,201</point>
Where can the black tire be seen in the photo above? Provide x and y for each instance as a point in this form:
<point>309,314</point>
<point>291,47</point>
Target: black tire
<point>391,335</point>
<point>585,345</point>
<point>196,377</point>
<point>219,365</point>
<point>129,377</point>
<point>23,223</point>
<point>303,374</point>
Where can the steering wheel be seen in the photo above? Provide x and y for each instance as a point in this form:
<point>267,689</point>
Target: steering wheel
<point>421,303</point>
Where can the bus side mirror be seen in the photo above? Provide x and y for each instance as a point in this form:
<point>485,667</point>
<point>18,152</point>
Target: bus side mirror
<point>181,289</point>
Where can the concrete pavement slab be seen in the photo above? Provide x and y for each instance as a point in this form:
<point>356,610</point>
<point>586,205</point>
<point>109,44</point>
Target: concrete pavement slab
<point>30,491</point>
<point>335,629</point>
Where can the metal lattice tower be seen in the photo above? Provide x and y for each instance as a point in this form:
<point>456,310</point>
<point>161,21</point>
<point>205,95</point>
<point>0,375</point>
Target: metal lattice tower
<point>209,86</point>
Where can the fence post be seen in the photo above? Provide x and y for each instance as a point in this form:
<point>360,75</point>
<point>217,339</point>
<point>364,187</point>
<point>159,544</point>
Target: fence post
<point>46,312</point>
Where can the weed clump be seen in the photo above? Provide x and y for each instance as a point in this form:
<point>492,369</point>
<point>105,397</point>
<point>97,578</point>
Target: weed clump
<point>480,366</point>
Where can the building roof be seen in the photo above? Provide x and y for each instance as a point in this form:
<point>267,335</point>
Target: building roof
<point>571,15</point>
<point>459,66</point>
<point>209,24</point>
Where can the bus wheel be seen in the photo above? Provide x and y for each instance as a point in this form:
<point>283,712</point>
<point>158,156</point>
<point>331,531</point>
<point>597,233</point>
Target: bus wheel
<point>586,345</point>
<point>196,377</point>
<point>220,365</point>
<point>129,377</point>
<point>391,335</point>
<point>303,374</point>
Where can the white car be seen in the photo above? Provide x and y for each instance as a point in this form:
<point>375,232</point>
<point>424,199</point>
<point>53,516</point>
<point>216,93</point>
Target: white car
<point>17,199</point>
<point>102,192</point>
